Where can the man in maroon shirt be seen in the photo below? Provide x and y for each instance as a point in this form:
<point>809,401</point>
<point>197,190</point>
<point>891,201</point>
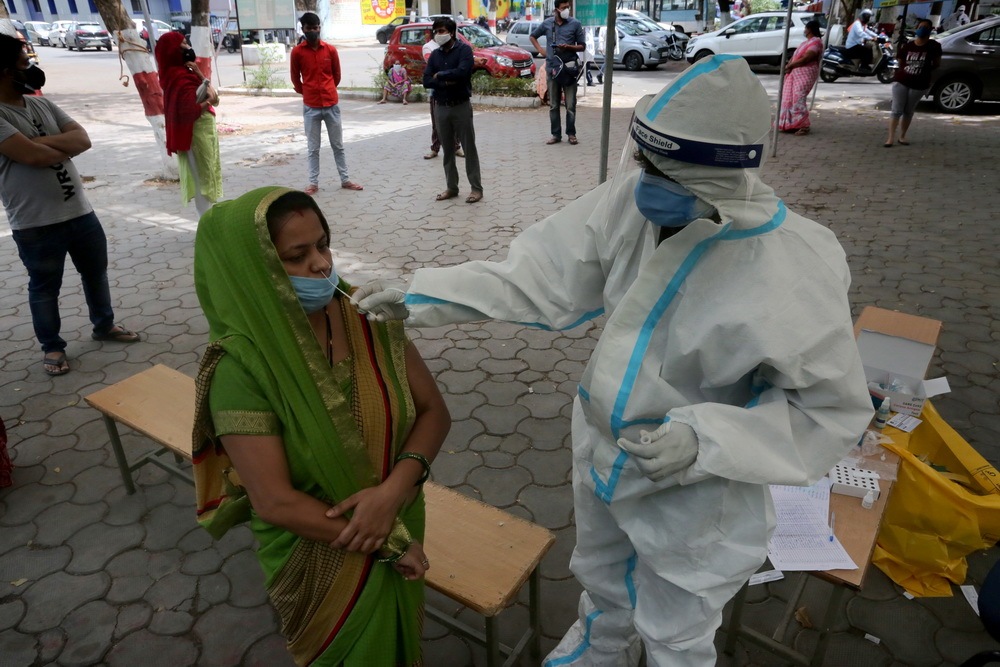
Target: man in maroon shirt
<point>315,76</point>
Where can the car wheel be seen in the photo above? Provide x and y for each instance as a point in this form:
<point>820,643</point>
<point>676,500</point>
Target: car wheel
<point>703,54</point>
<point>69,48</point>
<point>632,61</point>
<point>886,75</point>
<point>382,39</point>
<point>108,47</point>
<point>955,96</point>
<point>827,77</point>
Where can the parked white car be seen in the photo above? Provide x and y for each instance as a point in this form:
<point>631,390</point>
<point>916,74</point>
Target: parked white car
<point>759,38</point>
<point>57,33</point>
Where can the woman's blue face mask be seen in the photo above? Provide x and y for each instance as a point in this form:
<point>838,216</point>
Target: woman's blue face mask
<point>315,293</point>
<point>666,203</point>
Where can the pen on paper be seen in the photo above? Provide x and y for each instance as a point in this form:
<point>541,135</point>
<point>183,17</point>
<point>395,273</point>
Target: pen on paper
<point>833,522</point>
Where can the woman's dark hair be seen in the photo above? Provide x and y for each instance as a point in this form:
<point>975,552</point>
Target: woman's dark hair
<point>446,22</point>
<point>814,28</point>
<point>11,49</point>
<point>288,203</point>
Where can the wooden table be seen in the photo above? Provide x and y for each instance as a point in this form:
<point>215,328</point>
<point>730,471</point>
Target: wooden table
<point>857,529</point>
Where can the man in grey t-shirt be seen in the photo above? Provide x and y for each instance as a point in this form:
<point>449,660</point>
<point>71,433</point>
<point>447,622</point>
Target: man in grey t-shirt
<point>48,211</point>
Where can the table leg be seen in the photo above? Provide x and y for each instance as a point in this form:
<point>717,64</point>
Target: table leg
<point>116,445</point>
<point>735,618</point>
<point>534,617</point>
<point>492,643</point>
<point>828,618</point>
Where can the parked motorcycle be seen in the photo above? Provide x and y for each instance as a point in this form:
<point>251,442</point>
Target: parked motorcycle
<point>675,45</point>
<point>836,63</point>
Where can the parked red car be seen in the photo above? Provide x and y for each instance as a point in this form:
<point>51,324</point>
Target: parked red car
<point>491,55</point>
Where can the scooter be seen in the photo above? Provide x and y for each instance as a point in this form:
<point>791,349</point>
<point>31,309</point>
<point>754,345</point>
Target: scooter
<point>836,63</point>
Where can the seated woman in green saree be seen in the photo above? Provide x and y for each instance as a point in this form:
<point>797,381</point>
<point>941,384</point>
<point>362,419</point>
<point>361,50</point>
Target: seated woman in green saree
<point>316,426</point>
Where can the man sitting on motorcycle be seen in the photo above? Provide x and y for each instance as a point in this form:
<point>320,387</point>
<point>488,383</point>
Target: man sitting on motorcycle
<point>857,40</point>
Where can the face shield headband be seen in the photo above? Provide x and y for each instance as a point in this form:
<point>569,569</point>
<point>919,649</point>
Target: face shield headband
<point>734,156</point>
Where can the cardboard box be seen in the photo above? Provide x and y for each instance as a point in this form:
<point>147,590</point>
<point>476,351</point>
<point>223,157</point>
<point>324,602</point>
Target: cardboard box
<point>896,350</point>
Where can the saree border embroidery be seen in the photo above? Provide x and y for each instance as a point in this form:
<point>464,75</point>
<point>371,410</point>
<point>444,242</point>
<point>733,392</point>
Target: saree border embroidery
<point>313,593</point>
<point>246,422</point>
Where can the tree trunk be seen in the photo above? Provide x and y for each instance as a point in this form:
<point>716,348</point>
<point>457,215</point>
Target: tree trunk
<point>201,36</point>
<point>302,6</point>
<point>4,14</point>
<point>132,49</point>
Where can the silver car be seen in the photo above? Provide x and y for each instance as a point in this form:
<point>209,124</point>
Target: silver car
<point>674,40</point>
<point>520,35</point>
<point>634,49</point>
<point>38,32</point>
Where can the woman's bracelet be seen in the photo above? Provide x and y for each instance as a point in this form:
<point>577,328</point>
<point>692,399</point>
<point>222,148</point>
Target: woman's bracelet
<point>422,460</point>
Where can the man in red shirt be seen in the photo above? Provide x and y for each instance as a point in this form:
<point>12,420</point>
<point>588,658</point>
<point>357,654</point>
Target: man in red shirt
<point>315,76</point>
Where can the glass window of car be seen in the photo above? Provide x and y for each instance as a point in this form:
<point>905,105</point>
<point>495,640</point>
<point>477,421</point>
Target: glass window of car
<point>414,37</point>
<point>989,37</point>
<point>519,28</point>
<point>747,26</point>
<point>630,29</point>
<point>479,38</point>
<point>773,23</point>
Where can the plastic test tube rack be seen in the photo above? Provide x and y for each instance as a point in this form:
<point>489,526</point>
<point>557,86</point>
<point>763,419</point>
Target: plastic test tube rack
<point>851,481</point>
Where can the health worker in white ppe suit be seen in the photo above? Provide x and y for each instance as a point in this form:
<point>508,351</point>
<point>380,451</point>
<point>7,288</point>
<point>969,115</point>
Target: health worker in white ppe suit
<point>727,362</point>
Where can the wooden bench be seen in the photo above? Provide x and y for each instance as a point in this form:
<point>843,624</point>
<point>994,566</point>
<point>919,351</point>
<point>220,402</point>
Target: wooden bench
<point>481,556</point>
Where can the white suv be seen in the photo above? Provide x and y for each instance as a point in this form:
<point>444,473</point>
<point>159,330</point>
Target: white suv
<point>758,38</point>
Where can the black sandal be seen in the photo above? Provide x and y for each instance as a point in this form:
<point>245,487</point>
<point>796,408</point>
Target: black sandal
<point>118,334</point>
<point>55,365</point>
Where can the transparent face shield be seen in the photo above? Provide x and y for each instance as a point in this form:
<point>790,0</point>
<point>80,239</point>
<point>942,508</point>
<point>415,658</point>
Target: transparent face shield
<point>713,172</point>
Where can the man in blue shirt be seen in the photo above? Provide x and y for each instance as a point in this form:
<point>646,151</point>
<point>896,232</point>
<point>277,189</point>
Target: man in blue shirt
<point>449,75</point>
<point>564,39</point>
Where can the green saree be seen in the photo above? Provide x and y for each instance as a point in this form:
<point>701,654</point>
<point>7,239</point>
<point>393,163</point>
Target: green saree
<point>265,374</point>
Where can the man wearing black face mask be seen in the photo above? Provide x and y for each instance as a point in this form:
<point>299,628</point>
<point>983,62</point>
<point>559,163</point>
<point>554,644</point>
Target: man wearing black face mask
<point>917,59</point>
<point>315,70</point>
<point>49,214</point>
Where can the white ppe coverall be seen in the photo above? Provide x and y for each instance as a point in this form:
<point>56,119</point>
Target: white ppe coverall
<point>739,329</point>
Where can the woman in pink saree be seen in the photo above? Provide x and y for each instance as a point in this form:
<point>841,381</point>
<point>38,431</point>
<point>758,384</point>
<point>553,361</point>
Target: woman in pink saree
<point>398,84</point>
<point>800,77</point>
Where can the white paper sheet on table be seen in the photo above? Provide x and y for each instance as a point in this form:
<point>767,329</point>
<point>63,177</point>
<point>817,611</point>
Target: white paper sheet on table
<point>801,540</point>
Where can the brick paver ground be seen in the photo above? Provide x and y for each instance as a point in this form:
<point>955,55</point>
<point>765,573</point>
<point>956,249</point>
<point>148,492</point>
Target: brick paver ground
<point>89,575</point>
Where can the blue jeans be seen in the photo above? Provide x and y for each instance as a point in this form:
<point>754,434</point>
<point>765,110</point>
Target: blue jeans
<point>314,117</point>
<point>555,94</point>
<point>43,252</point>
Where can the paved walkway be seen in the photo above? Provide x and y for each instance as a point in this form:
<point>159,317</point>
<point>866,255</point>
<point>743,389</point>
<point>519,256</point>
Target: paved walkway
<point>89,575</point>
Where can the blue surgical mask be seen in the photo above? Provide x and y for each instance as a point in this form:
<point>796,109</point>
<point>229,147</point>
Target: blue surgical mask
<point>314,293</point>
<point>666,203</point>
<point>923,33</point>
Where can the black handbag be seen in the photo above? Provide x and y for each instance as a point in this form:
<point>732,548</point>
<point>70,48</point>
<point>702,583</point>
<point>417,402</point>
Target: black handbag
<point>568,73</point>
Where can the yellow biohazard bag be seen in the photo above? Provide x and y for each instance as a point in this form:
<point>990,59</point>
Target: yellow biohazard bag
<point>944,505</point>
